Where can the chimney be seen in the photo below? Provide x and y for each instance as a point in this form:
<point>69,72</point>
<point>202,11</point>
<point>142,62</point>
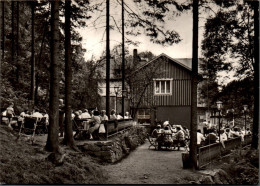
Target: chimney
<point>135,57</point>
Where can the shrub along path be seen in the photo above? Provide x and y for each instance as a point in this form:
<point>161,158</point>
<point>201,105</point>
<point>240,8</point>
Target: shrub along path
<point>144,166</point>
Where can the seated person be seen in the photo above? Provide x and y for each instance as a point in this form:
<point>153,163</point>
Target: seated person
<point>127,116</point>
<point>37,114</point>
<point>228,133</point>
<point>119,116</point>
<point>180,137</point>
<point>4,118</point>
<point>72,114</point>
<point>85,115</point>
<point>200,138</point>
<point>156,131</point>
<point>248,132</point>
<point>166,123</point>
<point>103,116</point>
<point>211,137</point>
<point>80,112</point>
<point>21,117</point>
<point>46,116</point>
<point>223,135</point>
<point>113,115</point>
<point>186,133</point>
<point>235,133</point>
<point>10,114</point>
<point>96,122</point>
<point>168,136</point>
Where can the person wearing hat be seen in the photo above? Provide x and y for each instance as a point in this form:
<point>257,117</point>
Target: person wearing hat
<point>166,123</point>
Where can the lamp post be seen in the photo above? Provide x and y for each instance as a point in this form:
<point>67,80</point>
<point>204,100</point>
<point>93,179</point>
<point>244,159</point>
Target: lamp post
<point>245,109</point>
<point>233,110</point>
<point>116,92</point>
<point>219,106</point>
<point>124,94</point>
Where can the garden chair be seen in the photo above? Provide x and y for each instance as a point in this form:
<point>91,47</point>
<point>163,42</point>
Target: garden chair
<point>152,141</point>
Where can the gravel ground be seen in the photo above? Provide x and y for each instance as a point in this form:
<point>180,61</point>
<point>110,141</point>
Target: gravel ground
<point>144,166</point>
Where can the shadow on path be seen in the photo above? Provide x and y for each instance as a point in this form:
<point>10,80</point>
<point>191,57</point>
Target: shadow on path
<point>149,166</point>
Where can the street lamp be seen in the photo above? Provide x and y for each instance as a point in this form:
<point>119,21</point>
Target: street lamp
<point>116,92</point>
<point>219,106</point>
<point>245,109</point>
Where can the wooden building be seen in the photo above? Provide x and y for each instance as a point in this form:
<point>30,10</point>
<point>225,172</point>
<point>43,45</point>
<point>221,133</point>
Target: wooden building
<point>161,90</point>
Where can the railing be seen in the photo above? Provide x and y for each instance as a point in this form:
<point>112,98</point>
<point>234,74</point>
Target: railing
<point>114,126</point>
<point>209,152</point>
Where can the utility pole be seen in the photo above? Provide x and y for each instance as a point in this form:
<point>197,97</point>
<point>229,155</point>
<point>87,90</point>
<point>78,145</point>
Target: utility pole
<point>107,62</point>
<point>123,60</point>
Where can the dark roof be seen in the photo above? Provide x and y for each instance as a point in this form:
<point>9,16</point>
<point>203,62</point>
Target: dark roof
<point>184,62</point>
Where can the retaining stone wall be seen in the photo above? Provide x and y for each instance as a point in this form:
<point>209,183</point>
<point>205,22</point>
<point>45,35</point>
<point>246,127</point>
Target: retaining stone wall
<point>118,147</point>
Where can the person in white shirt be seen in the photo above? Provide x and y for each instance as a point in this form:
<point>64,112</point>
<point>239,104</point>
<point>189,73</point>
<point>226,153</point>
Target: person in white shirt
<point>166,123</point>
<point>200,138</point>
<point>127,116</point>
<point>223,135</point>
<point>118,116</point>
<point>37,114</point>
<point>85,115</point>
<point>103,116</point>
<point>113,115</point>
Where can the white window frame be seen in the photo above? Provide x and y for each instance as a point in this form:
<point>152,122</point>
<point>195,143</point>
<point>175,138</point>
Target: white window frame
<point>160,82</point>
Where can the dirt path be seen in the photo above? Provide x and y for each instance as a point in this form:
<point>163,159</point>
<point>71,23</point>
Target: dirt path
<point>145,166</point>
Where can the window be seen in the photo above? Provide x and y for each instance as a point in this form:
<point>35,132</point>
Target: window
<point>143,114</point>
<point>162,86</point>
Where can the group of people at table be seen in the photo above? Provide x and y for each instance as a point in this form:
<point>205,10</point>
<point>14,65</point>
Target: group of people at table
<point>211,135</point>
<point>9,116</point>
<point>177,135</point>
<point>169,135</point>
<point>89,121</point>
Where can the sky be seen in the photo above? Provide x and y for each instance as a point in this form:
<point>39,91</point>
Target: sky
<point>95,45</point>
<point>94,39</point>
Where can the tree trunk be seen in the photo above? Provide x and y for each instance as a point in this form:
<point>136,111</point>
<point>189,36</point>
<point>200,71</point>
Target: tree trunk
<point>17,43</point>
<point>68,138</point>
<point>36,88</point>
<point>107,62</point>
<point>3,29</point>
<point>32,55</point>
<point>12,25</point>
<point>123,60</point>
<point>52,140</point>
<point>193,128</point>
<point>1,32</point>
<point>255,130</point>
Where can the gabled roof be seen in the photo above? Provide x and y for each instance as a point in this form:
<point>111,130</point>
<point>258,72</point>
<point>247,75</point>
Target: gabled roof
<point>184,62</point>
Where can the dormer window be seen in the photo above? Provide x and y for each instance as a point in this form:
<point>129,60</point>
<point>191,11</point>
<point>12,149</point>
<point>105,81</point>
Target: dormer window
<point>163,86</point>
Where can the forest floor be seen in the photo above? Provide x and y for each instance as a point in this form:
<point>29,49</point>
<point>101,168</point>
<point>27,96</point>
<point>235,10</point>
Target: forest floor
<point>23,163</point>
